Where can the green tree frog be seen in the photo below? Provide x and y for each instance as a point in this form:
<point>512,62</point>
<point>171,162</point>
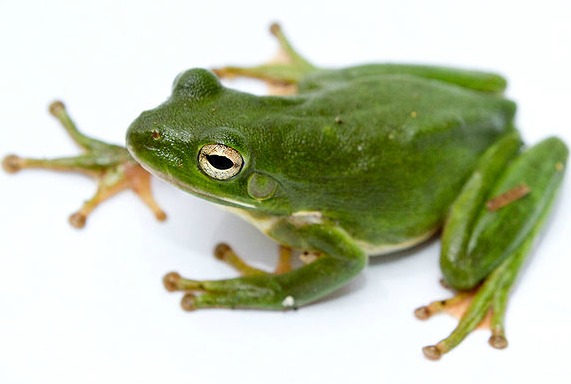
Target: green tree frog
<point>353,162</point>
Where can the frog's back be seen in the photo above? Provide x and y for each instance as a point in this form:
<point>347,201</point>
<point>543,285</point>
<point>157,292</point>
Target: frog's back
<point>386,155</point>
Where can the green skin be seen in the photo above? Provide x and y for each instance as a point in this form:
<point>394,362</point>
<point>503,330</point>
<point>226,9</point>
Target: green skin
<point>359,161</point>
<point>371,156</point>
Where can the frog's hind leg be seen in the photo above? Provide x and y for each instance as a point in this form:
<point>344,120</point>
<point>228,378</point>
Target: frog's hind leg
<point>111,165</point>
<point>282,73</point>
<point>490,231</point>
<point>482,307</point>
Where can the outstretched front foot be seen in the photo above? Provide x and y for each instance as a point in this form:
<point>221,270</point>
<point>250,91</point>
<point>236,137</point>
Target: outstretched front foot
<point>284,289</point>
<point>111,165</point>
<point>173,281</point>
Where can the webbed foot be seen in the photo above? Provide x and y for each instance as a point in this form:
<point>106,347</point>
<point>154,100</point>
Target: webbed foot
<point>111,165</point>
<point>174,282</point>
<point>282,73</point>
<point>481,307</point>
<point>338,261</point>
<point>490,231</point>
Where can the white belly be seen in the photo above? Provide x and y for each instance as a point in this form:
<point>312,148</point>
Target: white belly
<point>265,224</point>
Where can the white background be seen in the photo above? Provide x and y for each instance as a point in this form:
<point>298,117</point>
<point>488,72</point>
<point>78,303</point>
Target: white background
<point>88,306</point>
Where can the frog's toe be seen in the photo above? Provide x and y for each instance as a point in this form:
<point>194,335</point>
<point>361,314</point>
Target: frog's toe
<point>498,341</point>
<point>471,316</point>
<point>483,306</point>
<point>173,282</point>
<point>455,306</point>
<point>225,253</point>
<point>242,292</point>
<point>432,352</point>
<point>191,301</point>
<point>77,220</point>
<point>110,165</point>
<point>12,163</point>
<point>170,281</point>
<point>282,73</point>
<point>435,352</point>
<point>188,302</point>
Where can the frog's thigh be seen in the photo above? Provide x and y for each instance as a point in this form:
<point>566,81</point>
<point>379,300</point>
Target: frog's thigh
<point>464,211</point>
<point>475,80</point>
<point>491,229</point>
<point>500,209</point>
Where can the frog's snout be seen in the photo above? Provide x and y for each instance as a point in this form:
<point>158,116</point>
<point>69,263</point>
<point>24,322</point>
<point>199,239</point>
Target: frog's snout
<point>143,136</point>
<point>158,146</point>
<point>144,131</point>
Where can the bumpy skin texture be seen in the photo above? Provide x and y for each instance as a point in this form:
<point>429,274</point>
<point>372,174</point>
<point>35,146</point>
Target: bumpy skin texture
<point>365,153</point>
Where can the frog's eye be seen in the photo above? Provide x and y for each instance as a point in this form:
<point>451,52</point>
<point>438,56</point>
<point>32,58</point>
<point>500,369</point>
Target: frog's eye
<point>220,161</point>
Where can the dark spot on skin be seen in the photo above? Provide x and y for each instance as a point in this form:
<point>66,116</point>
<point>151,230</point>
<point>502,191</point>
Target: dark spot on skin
<point>156,135</point>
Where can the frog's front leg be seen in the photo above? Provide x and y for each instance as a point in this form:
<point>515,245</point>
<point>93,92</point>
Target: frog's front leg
<point>111,165</point>
<point>491,229</point>
<point>340,259</point>
<point>225,253</point>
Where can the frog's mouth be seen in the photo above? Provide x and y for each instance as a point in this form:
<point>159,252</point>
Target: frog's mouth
<point>211,197</point>
<point>169,178</point>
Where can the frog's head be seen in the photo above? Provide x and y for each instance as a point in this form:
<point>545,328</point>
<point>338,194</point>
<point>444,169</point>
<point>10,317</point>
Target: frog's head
<point>192,140</point>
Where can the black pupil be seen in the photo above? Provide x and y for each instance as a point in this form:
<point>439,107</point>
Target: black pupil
<point>220,162</point>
